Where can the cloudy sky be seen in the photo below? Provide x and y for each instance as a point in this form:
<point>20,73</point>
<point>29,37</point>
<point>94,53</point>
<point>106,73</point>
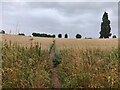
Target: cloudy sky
<point>58,17</point>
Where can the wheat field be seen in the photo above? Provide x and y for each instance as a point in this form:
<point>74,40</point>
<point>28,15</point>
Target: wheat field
<point>62,42</point>
<point>85,63</point>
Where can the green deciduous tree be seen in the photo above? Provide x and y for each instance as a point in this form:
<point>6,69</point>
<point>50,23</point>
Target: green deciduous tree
<point>66,36</point>
<point>114,36</point>
<point>78,36</point>
<point>59,35</point>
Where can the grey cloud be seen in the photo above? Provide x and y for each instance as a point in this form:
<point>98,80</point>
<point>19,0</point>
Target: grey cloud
<point>54,17</point>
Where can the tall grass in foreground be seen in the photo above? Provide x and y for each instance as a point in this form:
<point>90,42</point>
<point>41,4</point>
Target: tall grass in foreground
<point>25,67</point>
<point>92,68</point>
<point>30,67</point>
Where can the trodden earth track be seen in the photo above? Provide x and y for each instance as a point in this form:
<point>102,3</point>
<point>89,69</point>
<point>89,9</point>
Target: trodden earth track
<point>54,76</point>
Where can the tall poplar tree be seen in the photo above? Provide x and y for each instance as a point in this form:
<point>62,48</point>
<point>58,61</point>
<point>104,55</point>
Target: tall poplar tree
<point>105,27</point>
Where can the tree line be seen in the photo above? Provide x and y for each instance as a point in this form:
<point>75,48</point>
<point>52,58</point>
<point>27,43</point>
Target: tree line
<point>43,35</point>
<point>104,33</point>
<point>53,36</point>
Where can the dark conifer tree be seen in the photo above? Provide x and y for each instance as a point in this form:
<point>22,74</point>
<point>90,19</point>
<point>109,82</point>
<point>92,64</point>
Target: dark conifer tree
<point>105,27</point>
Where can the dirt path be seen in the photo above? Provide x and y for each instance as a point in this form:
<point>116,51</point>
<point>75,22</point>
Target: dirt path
<point>54,77</point>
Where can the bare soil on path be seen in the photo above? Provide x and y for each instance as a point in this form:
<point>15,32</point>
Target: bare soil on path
<point>54,76</point>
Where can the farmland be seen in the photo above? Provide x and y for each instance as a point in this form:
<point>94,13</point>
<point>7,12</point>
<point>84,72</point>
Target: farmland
<point>84,63</point>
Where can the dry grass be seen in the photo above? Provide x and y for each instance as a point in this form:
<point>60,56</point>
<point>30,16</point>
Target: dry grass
<point>90,63</point>
<point>62,43</point>
<point>91,68</point>
<point>26,40</point>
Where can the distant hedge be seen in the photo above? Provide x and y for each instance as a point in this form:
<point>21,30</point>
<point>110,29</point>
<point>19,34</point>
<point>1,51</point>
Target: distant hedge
<point>2,32</point>
<point>22,34</point>
<point>43,35</point>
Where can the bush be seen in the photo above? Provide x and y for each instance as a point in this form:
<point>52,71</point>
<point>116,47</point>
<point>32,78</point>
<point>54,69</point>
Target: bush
<point>22,34</point>
<point>114,36</point>
<point>66,36</point>
<point>43,35</point>
<point>2,32</point>
<point>88,38</point>
<point>59,35</point>
<point>78,36</point>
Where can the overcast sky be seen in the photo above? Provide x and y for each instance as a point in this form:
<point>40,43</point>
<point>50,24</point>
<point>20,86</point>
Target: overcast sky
<point>58,17</point>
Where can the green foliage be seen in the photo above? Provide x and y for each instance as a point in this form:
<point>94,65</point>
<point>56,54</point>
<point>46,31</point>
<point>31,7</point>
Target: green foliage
<point>66,36</point>
<point>43,35</point>
<point>56,60</point>
<point>114,36</point>
<point>78,36</point>
<point>59,35</point>
<point>21,34</point>
<point>2,32</point>
<point>105,27</point>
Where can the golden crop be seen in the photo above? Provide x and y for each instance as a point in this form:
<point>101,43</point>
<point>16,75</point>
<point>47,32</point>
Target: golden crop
<point>88,63</point>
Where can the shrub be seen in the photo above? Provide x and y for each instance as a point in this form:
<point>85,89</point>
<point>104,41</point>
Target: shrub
<point>114,36</point>
<point>66,36</point>
<point>21,34</point>
<point>78,36</point>
<point>59,35</point>
<point>2,32</point>
<point>43,35</point>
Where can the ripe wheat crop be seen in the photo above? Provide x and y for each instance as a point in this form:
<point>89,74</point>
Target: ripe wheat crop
<point>83,63</point>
